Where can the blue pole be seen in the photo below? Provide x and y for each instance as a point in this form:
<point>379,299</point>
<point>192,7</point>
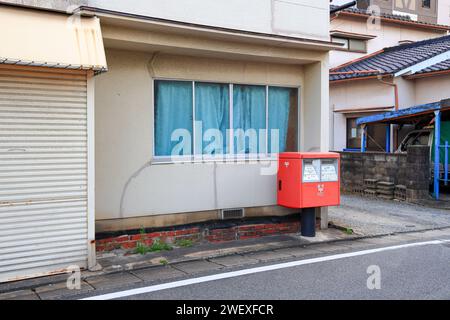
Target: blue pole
<point>363,138</point>
<point>446,164</point>
<point>388,138</point>
<point>437,139</point>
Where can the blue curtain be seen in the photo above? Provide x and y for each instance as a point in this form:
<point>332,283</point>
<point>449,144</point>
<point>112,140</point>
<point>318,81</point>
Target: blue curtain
<point>173,110</point>
<point>279,103</point>
<point>212,108</point>
<point>249,112</point>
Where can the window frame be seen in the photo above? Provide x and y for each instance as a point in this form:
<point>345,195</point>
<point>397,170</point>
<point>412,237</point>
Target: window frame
<point>228,157</point>
<point>426,7</point>
<point>348,40</point>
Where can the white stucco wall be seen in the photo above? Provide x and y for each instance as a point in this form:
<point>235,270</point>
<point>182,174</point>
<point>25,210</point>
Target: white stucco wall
<point>444,12</point>
<point>387,35</point>
<point>129,185</point>
<point>361,94</point>
<point>298,18</point>
<point>355,95</point>
<point>432,89</point>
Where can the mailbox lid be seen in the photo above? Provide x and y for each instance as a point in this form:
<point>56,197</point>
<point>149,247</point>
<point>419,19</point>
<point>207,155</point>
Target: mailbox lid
<point>309,155</point>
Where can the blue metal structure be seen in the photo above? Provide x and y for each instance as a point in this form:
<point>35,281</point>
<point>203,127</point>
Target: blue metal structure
<point>445,146</point>
<point>388,138</point>
<point>392,116</point>
<point>437,139</point>
<point>363,138</point>
<point>398,116</point>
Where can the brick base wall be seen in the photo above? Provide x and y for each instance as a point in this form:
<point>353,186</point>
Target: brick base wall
<point>209,233</point>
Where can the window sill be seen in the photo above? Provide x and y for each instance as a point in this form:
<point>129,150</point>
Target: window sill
<point>219,159</point>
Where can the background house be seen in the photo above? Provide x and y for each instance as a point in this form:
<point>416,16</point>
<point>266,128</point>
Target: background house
<point>395,78</point>
<point>362,37</point>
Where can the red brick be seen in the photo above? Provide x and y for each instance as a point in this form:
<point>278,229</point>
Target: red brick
<point>102,241</point>
<point>153,235</point>
<point>138,237</point>
<point>123,238</point>
<point>129,245</point>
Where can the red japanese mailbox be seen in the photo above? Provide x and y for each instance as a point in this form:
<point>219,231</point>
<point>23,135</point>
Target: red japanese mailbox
<point>308,180</point>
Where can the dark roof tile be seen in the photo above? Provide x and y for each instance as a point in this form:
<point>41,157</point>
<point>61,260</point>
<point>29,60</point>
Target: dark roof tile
<point>393,59</point>
<point>441,66</point>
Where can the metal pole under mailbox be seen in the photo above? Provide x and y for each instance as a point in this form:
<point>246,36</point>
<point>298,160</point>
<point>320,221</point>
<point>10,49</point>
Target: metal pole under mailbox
<point>308,222</point>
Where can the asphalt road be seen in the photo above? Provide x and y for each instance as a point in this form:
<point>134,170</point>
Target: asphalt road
<point>417,272</point>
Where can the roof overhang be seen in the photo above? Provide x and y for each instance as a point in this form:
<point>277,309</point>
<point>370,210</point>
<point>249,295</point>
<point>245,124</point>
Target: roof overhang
<point>363,110</point>
<point>352,35</point>
<point>134,21</point>
<point>427,74</point>
<point>48,39</point>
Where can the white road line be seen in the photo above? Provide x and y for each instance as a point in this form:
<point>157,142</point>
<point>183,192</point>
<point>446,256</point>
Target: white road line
<point>233,274</point>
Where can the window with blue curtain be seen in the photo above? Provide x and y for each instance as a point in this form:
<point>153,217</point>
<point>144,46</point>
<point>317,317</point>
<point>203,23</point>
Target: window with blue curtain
<point>249,115</point>
<point>173,110</point>
<point>212,110</point>
<point>278,109</point>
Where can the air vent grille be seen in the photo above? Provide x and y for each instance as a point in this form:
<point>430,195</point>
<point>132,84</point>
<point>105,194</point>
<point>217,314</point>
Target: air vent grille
<point>236,213</point>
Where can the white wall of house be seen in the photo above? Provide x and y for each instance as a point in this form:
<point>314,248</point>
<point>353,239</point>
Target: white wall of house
<point>298,18</point>
<point>129,184</point>
<point>431,89</point>
<point>361,94</point>
<point>443,12</point>
<point>387,35</point>
<point>350,97</point>
<point>406,92</point>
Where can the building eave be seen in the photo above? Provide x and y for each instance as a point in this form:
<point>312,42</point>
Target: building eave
<point>132,20</point>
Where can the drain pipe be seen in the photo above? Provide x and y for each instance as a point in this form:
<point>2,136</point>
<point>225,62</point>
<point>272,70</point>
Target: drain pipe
<point>392,84</point>
<point>388,129</point>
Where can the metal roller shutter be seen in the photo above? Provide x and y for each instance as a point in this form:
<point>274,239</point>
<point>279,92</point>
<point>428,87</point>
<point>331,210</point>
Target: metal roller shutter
<point>43,172</point>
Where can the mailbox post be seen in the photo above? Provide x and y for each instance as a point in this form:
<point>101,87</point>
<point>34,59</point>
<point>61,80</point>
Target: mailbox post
<point>306,181</point>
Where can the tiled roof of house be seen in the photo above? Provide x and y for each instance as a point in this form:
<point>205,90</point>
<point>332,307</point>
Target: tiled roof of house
<point>391,60</point>
<point>400,18</point>
<point>441,66</point>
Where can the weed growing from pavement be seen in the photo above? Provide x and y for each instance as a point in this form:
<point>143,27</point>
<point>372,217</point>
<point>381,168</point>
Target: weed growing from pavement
<point>184,243</point>
<point>164,262</point>
<point>156,246</point>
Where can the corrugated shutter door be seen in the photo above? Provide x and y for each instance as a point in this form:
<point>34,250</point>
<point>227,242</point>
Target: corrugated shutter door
<point>43,172</point>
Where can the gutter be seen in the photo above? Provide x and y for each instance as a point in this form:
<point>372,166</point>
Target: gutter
<point>427,74</point>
